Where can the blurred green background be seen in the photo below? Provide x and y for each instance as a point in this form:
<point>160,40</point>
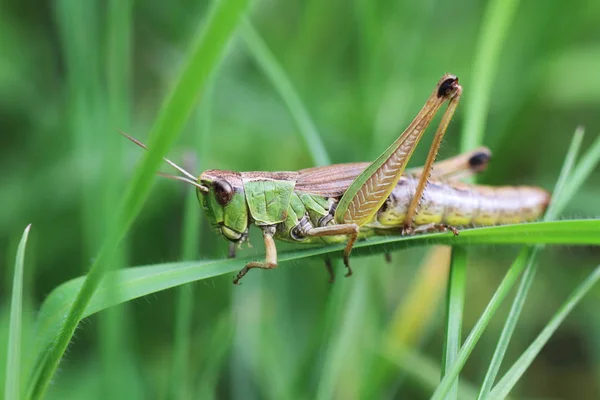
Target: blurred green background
<point>362,69</point>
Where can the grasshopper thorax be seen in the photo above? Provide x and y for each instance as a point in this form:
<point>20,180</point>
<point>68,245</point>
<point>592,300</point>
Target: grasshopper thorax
<point>224,202</point>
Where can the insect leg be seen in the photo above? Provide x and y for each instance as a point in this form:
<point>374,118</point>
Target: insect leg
<point>388,258</point>
<point>433,150</point>
<point>270,257</point>
<point>343,229</point>
<point>371,188</point>
<point>459,167</point>
<point>232,249</point>
<point>330,270</point>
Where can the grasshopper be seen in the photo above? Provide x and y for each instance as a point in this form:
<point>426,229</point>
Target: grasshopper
<point>345,202</point>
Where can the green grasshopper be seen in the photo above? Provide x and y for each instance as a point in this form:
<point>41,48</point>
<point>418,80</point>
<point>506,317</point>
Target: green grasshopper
<point>345,202</point>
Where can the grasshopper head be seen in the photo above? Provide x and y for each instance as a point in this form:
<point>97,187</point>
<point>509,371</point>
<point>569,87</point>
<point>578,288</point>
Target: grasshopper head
<point>221,194</point>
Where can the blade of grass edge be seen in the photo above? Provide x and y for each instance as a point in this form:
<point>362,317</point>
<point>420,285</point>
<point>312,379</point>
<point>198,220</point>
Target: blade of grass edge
<point>454,312</point>
<point>12,388</point>
<point>49,311</point>
<point>276,74</point>
<point>515,372</point>
<point>527,280</point>
<point>207,50</point>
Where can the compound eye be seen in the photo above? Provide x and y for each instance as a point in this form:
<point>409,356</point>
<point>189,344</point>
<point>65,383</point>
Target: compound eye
<point>223,192</point>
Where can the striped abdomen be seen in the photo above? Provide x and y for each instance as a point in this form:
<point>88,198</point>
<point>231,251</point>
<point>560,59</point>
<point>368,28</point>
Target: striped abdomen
<point>459,204</point>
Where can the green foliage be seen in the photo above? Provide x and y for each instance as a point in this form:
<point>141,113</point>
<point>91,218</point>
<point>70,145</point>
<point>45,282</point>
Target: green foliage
<point>302,83</point>
<point>12,388</point>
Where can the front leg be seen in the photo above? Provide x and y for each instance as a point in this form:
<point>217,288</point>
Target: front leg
<point>270,257</point>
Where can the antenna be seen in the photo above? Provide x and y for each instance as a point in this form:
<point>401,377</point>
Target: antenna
<point>191,179</point>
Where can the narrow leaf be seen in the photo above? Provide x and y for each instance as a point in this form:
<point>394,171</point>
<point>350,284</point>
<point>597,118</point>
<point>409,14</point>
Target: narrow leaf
<point>276,74</point>
<point>495,26</point>
<point>13,362</point>
<point>506,285</point>
<point>141,281</point>
<point>205,54</point>
<point>527,280</point>
<point>454,313</point>
<point>513,375</point>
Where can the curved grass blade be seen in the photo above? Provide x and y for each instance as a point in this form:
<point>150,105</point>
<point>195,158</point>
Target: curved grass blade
<point>527,280</point>
<point>506,285</point>
<point>12,386</point>
<point>141,281</point>
<point>275,72</point>
<point>495,25</point>
<point>515,372</point>
<point>526,259</point>
<point>205,54</point>
<point>454,312</point>
<point>585,166</point>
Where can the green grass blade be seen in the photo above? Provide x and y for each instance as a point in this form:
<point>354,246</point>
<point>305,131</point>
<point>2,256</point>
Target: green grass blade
<point>274,71</point>
<point>205,54</point>
<point>515,270</point>
<point>585,166</point>
<point>530,271</point>
<point>454,312</point>
<point>12,386</point>
<point>141,281</point>
<point>338,350</point>
<point>495,25</point>
<point>181,386</point>
<point>513,315</point>
<point>564,189</point>
<point>114,350</point>
<point>506,285</point>
<point>506,384</point>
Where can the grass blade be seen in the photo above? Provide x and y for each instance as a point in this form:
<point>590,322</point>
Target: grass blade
<point>454,313</point>
<point>584,168</point>
<point>114,351</point>
<point>495,25</point>
<point>511,321</point>
<point>12,386</point>
<point>527,280</point>
<point>506,285</point>
<point>181,383</point>
<point>274,71</point>
<point>525,261</point>
<point>141,281</point>
<point>206,52</point>
<point>562,193</point>
<point>509,380</point>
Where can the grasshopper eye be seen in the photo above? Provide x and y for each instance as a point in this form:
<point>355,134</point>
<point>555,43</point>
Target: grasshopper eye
<point>223,192</point>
